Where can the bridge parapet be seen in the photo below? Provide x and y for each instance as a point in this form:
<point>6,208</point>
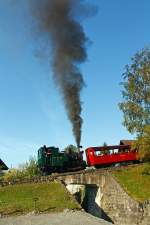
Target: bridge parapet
<point>110,197</point>
<point>92,178</point>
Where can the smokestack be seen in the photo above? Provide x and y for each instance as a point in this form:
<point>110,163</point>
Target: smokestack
<point>59,19</point>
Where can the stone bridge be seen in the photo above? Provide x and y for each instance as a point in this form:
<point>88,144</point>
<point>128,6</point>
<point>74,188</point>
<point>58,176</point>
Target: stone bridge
<point>102,196</point>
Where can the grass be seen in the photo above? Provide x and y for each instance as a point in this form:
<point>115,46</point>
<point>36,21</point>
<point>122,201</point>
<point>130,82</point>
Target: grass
<point>24,198</point>
<point>135,181</point>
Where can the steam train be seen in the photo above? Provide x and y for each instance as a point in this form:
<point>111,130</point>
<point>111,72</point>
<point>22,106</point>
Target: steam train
<point>51,160</point>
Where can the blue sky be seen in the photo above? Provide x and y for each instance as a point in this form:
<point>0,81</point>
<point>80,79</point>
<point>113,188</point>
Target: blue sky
<point>32,112</point>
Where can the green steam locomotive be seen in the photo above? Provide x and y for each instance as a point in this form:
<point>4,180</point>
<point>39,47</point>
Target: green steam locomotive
<point>51,160</point>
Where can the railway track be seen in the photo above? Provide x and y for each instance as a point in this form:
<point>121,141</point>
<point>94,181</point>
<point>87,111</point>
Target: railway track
<point>52,177</point>
<point>93,170</point>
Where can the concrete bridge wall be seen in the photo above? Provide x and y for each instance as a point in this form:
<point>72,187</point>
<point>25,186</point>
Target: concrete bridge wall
<point>109,200</point>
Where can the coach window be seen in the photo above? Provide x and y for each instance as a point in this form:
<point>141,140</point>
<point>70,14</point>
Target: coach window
<point>111,151</point>
<point>97,153</point>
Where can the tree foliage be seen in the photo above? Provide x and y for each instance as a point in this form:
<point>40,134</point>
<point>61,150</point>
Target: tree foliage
<point>136,92</point>
<point>71,148</point>
<point>143,144</point>
<point>31,168</point>
<point>25,171</point>
<point>136,100</point>
<point>105,144</point>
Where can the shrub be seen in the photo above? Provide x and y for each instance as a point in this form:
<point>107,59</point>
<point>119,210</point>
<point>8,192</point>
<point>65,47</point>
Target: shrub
<point>143,144</point>
<point>146,170</point>
<point>13,174</point>
<point>31,169</point>
<point>27,170</point>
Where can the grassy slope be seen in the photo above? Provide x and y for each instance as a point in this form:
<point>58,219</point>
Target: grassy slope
<point>20,199</point>
<point>134,182</point>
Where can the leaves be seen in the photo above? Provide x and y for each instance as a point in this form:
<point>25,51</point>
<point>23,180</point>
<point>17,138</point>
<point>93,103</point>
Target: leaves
<point>27,170</point>
<point>136,100</point>
<point>136,92</point>
<point>71,148</point>
<point>143,143</point>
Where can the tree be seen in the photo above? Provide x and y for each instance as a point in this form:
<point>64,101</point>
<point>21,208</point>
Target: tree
<point>71,148</point>
<point>143,144</point>
<point>31,168</point>
<point>136,100</point>
<point>26,170</point>
<point>104,144</point>
<point>136,93</point>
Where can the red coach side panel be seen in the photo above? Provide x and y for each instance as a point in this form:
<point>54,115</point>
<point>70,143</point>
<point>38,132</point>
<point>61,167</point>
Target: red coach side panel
<point>100,156</point>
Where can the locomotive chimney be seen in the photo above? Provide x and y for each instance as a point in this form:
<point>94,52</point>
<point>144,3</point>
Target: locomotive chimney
<point>79,147</point>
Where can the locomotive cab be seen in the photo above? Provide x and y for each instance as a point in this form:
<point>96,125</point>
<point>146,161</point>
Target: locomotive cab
<point>46,158</point>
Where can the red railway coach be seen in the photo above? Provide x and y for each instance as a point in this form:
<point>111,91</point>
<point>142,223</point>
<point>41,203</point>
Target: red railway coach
<point>110,155</point>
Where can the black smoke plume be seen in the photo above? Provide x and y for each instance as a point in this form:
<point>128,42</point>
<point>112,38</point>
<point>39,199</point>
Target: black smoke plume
<point>60,19</point>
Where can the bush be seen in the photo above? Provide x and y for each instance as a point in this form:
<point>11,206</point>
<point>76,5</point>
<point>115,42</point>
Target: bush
<point>71,148</point>
<point>143,144</point>
<point>13,174</point>
<point>27,170</point>
<point>146,170</point>
<point>31,168</point>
